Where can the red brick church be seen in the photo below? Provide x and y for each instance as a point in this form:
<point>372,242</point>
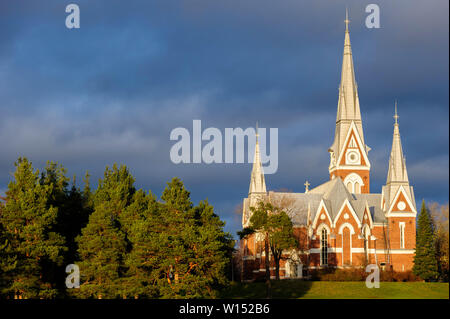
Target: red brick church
<point>340,223</point>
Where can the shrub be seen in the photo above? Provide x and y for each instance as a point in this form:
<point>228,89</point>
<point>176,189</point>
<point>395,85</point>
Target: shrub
<point>359,274</point>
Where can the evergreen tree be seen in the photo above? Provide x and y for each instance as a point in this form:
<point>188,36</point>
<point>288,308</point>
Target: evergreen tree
<point>73,213</point>
<point>141,220</point>
<point>29,221</point>
<point>102,245</point>
<point>8,261</point>
<point>214,249</point>
<point>425,263</point>
<point>193,252</point>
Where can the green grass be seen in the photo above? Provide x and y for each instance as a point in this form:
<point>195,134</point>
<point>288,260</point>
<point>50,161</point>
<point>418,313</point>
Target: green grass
<point>287,289</point>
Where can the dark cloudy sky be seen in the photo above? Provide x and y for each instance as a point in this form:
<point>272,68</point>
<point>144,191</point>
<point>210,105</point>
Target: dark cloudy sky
<point>113,90</point>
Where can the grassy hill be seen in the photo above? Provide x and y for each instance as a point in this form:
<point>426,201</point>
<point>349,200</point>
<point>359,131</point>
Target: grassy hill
<point>339,290</point>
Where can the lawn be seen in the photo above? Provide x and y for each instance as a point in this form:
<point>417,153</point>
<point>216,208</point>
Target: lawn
<point>339,290</point>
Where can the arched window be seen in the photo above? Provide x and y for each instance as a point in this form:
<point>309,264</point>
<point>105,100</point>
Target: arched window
<point>324,247</point>
<point>357,188</point>
<point>350,187</point>
<point>354,183</point>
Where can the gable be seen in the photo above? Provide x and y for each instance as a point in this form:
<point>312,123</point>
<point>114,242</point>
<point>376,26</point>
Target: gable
<point>352,144</point>
<point>322,215</point>
<point>346,214</point>
<point>401,205</point>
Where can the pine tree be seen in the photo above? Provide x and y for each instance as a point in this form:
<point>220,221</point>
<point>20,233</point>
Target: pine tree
<point>28,220</point>
<point>425,263</point>
<point>213,250</point>
<point>8,261</point>
<point>193,252</point>
<point>102,245</point>
<point>141,221</point>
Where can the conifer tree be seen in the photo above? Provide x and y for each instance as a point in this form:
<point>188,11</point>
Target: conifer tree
<point>102,245</point>
<point>28,221</point>
<point>141,223</point>
<point>193,251</point>
<point>213,250</point>
<point>425,263</point>
<point>8,261</point>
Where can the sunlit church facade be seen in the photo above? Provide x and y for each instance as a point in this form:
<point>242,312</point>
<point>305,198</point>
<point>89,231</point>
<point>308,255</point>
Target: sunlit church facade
<point>340,223</point>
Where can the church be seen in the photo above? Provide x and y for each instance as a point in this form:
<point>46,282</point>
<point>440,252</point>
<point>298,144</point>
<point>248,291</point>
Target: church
<point>340,223</point>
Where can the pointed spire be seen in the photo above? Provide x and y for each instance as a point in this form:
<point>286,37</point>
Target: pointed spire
<point>348,110</point>
<point>348,105</point>
<point>257,181</point>
<point>397,166</point>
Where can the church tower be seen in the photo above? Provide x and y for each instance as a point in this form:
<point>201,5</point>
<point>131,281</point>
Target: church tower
<point>397,194</point>
<point>257,190</point>
<point>348,154</point>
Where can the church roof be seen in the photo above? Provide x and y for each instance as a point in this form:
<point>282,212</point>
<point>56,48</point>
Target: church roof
<point>333,193</point>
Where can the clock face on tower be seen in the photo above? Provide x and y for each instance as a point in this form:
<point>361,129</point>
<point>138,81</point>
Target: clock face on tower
<point>352,157</point>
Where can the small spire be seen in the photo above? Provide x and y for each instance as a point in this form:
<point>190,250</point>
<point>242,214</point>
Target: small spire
<point>396,115</point>
<point>257,181</point>
<point>347,21</point>
<point>306,186</point>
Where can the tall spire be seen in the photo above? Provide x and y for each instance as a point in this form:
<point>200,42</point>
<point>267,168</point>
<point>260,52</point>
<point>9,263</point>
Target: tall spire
<point>348,154</point>
<point>257,181</point>
<point>397,188</point>
<point>348,105</point>
<point>397,166</point>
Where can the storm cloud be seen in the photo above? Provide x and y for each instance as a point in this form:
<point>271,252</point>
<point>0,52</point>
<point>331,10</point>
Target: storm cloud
<point>113,90</point>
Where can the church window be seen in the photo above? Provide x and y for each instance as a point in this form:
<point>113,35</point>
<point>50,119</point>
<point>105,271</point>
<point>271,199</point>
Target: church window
<point>354,183</point>
<point>366,242</point>
<point>402,235</point>
<point>324,247</point>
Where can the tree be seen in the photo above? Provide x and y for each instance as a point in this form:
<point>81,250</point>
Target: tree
<point>213,250</point>
<point>193,251</point>
<point>425,264</point>
<point>72,216</point>
<point>281,238</point>
<point>140,220</point>
<point>28,221</point>
<point>102,245</point>
<point>440,217</point>
<point>8,261</point>
<point>276,227</point>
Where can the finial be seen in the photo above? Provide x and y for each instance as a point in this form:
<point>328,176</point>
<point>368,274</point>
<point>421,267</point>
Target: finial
<point>396,115</point>
<point>257,134</point>
<point>306,186</point>
<point>347,21</point>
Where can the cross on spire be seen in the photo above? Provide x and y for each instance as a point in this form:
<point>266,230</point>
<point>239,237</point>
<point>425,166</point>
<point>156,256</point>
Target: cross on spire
<point>347,21</point>
<point>396,115</point>
<point>306,186</point>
